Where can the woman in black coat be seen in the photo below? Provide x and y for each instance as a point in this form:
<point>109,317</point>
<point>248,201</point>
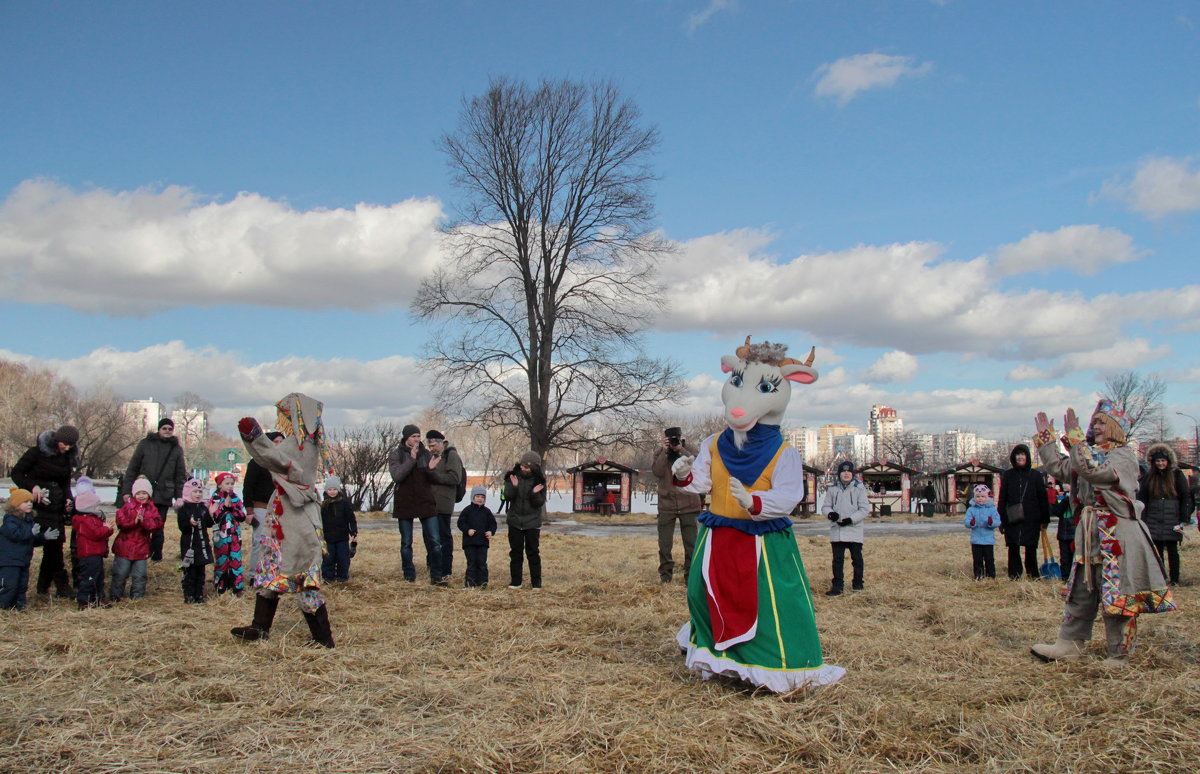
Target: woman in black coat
<point>49,465</point>
<point>1168,504</point>
<point>1022,486</point>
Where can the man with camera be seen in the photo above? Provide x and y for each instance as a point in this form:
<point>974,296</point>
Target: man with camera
<point>674,504</point>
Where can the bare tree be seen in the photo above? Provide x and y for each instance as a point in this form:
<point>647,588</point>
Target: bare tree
<point>1140,397</point>
<point>551,278</point>
<point>359,457</point>
<point>191,416</point>
<point>107,434</point>
<point>901,449</point>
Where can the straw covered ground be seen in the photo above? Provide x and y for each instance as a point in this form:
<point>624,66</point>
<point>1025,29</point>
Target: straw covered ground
<point>584,676</point>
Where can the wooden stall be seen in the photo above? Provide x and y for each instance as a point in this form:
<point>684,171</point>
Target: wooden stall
<point>889,487</point>
<point>962,480</point>
<point>616,480</point>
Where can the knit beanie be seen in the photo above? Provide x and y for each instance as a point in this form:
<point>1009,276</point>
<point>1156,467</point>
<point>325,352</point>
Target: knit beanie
<point>333,482</point>
<point>67,434</point>
<point>142,484</point>
<point>845,466</point>
<point>222,476</point>
<point>434,435</point>
<point>981,489</point>
<point>86,499</point>
<point>17,495</point>
<point>478,489</point>
<point>166,421</point>
<point>409,430</point>
<point>531,459</point>
<point>193,491</point>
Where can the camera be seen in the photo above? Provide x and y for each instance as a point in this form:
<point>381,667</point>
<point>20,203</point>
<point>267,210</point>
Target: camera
<point>674,436</point>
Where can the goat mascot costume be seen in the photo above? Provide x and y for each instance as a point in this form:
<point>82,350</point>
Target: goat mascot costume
<point>291,541</point>
<point>751,609</point>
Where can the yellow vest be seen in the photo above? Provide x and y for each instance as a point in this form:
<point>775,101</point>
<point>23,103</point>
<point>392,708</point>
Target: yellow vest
<point>723,503</point>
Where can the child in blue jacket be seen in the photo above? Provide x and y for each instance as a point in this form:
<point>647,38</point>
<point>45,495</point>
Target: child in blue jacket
<point>18,535</point>
<point>982,519</point>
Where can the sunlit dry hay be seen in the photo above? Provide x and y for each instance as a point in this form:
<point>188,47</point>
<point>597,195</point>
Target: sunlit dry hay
<point>584,676</point>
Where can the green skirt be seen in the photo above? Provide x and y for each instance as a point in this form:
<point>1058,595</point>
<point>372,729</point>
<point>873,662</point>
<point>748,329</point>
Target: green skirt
<point>785,652</point>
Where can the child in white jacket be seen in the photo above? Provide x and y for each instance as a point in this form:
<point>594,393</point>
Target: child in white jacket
<point>846,507</point>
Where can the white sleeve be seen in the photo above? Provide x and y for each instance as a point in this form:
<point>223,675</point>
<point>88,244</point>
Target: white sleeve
<point>787,484</point>
<point>701,474</point>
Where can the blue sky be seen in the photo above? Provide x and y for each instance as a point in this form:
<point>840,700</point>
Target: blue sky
<point>973,209</point>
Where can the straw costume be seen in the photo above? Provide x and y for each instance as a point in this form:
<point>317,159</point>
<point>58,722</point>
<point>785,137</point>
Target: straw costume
<point>751,609</point>
<point>1116,571</point>
<point>291,543</point>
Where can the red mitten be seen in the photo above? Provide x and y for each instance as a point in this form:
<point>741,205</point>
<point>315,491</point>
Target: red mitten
<point>249,428</point>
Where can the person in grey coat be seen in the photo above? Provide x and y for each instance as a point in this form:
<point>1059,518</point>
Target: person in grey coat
<point>446,474</point>
<point>846,507</point>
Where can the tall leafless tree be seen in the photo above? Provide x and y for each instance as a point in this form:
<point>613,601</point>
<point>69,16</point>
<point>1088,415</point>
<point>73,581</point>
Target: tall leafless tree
<point>191,414</point>
<point>550,280</point>
<point>359,457</point>
<point>1141,398</point>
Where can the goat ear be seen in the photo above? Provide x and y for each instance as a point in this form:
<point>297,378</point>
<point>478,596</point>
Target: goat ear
<point>799,373</point>
<point>728,363</point>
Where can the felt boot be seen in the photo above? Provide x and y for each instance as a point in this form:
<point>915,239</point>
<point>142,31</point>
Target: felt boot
<point>1118,648</point>
<point>318,626</point>
<point>260,626</point>
<point>1061,650</point>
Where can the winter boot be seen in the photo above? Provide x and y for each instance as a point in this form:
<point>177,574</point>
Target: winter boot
<point>1118,648</point>
<point>264,615</point>
<point>318,626</point>
<point>1061,650</point>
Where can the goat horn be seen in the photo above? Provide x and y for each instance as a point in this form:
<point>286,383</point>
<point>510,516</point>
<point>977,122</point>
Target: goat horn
<point>812,353</point>
<point>743,350</point>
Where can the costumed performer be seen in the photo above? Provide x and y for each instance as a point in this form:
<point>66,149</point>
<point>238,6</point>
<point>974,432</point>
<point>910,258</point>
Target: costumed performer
<point>751,608</point>
<point>290,561</point>
<point>1116,569</point>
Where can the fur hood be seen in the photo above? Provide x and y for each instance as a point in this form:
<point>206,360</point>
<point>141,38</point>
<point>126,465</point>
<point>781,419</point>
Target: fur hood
<point>1156,449</point>
<point>45,445</point>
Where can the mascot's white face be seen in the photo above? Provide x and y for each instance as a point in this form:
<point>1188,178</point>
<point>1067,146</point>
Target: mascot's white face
<point>759,392</point>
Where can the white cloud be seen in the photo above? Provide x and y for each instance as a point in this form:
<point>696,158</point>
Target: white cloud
<point>96,250</point>
<point>848,76</point>
<point>1122,355</point>
<point>894,366</point>
<point>901,296</point>
<point>697,19</point>
<point>1083,249</point>
<point>1161,186</point>
<point>390,388</point>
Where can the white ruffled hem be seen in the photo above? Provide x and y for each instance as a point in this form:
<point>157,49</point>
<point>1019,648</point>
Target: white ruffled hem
<point>707,663</point>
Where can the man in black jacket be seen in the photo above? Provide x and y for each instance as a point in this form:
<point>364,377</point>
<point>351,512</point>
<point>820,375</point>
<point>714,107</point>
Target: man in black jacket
<point>158,457</point>
<point>1024,510</point>
<point>48,464</point>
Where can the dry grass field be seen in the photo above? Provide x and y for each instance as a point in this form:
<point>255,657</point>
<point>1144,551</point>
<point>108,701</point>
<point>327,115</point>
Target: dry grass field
<point>584,676</point>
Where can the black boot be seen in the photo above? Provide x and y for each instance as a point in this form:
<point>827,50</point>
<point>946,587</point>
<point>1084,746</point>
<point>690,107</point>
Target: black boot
<point>318,626</point>
<point>264,615</point>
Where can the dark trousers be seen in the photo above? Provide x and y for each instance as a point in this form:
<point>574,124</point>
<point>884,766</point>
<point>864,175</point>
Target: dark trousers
<point>1169,551</point>
<point>156,537</point>
<point>91,580</point>
<point>1066,557</point>
<point>477,569</point>
<point>666,537</point>
<point>14,582</point>
<point>524,542</point>
<point>52,569</point>
<point>193,583</point>
<point>1031,562</point>
<point>447,543</point>
<point>336,564</point>
<point>856,562</point>
<point>983,561</point>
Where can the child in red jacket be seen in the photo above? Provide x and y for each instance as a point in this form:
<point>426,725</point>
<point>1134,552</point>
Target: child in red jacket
<point>137,518</point>
<point>92,533</point>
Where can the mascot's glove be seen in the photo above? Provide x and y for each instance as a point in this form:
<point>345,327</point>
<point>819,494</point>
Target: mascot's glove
<point>846,522</point>
<point>249,428</point>
<point>682,468</point>
<point>51,534</point>
<point>738,490</point>
<point>833,516</point>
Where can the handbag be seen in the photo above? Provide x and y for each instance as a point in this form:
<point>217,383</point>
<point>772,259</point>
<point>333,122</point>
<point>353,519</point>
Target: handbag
<point>1015,513</point>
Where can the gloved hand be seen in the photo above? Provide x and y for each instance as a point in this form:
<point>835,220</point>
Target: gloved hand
<point>51,534</point>
<point>846,522</point>
<point>682,468</point>
<point>833,516</point>
<point>353,548</point>
<point>254,522</point>
<point>738,490</point>
<point>249,428</point>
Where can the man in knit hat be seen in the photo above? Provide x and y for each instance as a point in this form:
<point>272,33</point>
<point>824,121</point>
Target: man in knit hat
<point>159,457</point>
<point>525,490</point>
<point>412,499</point>
<point>48,466</point>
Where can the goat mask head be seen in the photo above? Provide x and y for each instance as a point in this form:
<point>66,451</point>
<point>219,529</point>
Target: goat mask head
<point>760,384</point>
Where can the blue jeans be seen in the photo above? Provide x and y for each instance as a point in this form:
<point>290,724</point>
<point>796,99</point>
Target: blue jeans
<point>336,564</point>
<point>431,532</point>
